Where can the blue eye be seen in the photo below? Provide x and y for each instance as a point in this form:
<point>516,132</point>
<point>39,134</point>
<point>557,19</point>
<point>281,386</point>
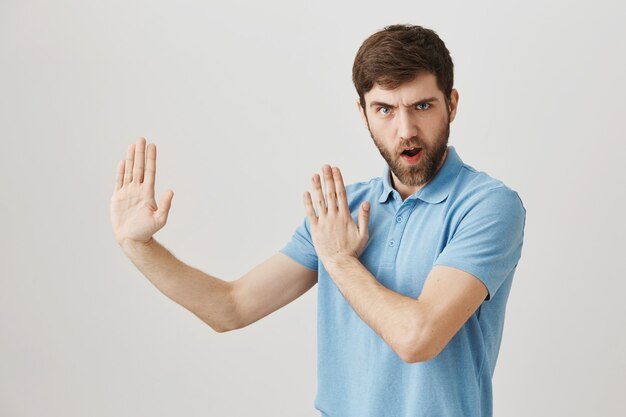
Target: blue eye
<point>423,104</point>
<point>384,110</point>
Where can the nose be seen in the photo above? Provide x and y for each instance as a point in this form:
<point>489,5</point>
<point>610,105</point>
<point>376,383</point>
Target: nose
<point>407,128</point>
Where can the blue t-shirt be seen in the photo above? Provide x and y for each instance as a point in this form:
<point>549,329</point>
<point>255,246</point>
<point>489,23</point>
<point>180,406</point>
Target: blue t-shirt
<point>461,218</point>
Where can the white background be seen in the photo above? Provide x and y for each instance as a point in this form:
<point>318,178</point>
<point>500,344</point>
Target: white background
<point>245,101</point>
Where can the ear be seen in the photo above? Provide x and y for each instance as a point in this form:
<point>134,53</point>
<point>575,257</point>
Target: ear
<point>454,102</point>
<point>361,112</point>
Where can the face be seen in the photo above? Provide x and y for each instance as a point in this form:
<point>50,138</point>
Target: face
<point>410,126</point>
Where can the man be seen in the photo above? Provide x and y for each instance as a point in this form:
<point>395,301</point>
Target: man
<point>414,268</point>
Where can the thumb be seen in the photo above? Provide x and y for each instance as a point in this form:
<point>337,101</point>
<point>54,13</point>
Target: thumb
<point>364,216</point>
<point>165,204</point>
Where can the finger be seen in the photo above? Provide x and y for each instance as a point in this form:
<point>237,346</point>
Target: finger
<point>320,202</point>
<point>164,206</point>
<point>119,178</point>
<point>150,171</point>
<point>140,160</point>
<point>308,208</point>
<point>364,216</point>
<point>329,185</point>
<point>128,169</point>
<point>340,189</point>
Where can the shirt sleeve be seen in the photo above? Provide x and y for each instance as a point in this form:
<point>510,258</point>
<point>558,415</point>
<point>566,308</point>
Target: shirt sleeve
<point>300,248</point>
<point>488,240</point>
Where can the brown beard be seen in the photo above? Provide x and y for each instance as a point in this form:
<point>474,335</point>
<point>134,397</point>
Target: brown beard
<point>428,164</point>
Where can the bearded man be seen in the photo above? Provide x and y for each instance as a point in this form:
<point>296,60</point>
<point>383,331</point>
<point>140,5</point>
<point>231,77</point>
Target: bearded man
<point>414,268</point>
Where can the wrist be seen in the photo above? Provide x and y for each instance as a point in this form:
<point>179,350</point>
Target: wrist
<point>339,261</point>
<point>130,244</point>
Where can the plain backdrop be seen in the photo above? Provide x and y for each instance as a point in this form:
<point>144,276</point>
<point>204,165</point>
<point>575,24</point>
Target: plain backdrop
<point>245,101</point>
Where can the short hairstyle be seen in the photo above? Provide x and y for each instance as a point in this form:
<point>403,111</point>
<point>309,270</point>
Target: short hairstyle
<point>397,54</point>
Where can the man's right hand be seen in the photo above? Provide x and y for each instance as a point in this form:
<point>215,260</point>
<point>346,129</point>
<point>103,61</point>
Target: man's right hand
<point>223,305</point>
<point>135,216</point>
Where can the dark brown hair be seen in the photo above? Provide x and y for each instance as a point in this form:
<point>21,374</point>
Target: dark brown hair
<point>398,53</point>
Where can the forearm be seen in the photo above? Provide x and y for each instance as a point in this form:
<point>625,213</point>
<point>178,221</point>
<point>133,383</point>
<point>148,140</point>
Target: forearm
<point>208,297</point>
<point>399,320</point>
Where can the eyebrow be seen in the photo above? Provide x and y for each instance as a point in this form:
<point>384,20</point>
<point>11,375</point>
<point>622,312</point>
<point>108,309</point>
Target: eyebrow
<point>381,104</point>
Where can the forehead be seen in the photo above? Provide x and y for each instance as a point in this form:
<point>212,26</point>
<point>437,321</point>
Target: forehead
<point>422,86</point>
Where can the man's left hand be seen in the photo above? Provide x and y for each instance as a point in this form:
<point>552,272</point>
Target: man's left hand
<point>335,234</point>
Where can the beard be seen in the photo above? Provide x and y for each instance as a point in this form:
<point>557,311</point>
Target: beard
<point>426,168</point>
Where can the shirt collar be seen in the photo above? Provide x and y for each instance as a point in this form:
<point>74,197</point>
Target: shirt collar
<point>437,189</point>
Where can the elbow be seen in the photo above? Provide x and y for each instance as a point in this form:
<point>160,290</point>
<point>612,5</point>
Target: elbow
<point>225,327</point>
<point>220,327</point>
<point>222,316</point>
<point>420,347</point>
<point>412,355</point>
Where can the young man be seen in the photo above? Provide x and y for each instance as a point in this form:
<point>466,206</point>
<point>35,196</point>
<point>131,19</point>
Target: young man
<point>414,268</point>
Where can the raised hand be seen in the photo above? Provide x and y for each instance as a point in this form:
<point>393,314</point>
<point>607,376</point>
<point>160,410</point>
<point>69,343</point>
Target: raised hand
<point>334,232</point>
<point>135,216</point>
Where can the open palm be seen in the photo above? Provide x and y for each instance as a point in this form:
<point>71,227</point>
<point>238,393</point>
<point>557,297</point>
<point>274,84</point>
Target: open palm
<point>135,216</point>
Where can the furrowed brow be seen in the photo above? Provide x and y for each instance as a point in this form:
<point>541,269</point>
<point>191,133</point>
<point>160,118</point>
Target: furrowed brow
<point>382,104</point>
<point>425,100</point>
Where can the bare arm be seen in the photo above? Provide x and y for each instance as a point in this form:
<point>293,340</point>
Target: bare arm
<point>417,330</point>
<point>223,305</point>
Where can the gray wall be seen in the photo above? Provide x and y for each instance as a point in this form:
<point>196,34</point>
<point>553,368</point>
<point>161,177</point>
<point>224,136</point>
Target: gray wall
<point>245,102</point>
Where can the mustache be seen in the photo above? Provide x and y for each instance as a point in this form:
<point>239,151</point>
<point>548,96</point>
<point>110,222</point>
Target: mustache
<point>411,144</point>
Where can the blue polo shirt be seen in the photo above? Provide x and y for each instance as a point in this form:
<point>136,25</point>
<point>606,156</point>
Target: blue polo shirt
<point>462,218</point>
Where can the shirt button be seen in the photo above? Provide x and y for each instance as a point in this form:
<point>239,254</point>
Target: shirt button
<point>392,243</point>
<point>398,219</point>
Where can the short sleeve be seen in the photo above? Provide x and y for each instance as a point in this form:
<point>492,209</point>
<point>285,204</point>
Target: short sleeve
<point>300,248</point>
<point>488,240</point>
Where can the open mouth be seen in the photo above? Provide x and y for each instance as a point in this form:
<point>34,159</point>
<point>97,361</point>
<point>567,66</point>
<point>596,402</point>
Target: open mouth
<point>411,151</point>
<point>412,155</point>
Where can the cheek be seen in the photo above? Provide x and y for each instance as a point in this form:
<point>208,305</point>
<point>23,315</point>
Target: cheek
<point>433,125</point>
<point>381,128</point>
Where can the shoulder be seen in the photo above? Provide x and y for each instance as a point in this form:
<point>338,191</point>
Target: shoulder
<point>479,200</point>
<point>478,189</point>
